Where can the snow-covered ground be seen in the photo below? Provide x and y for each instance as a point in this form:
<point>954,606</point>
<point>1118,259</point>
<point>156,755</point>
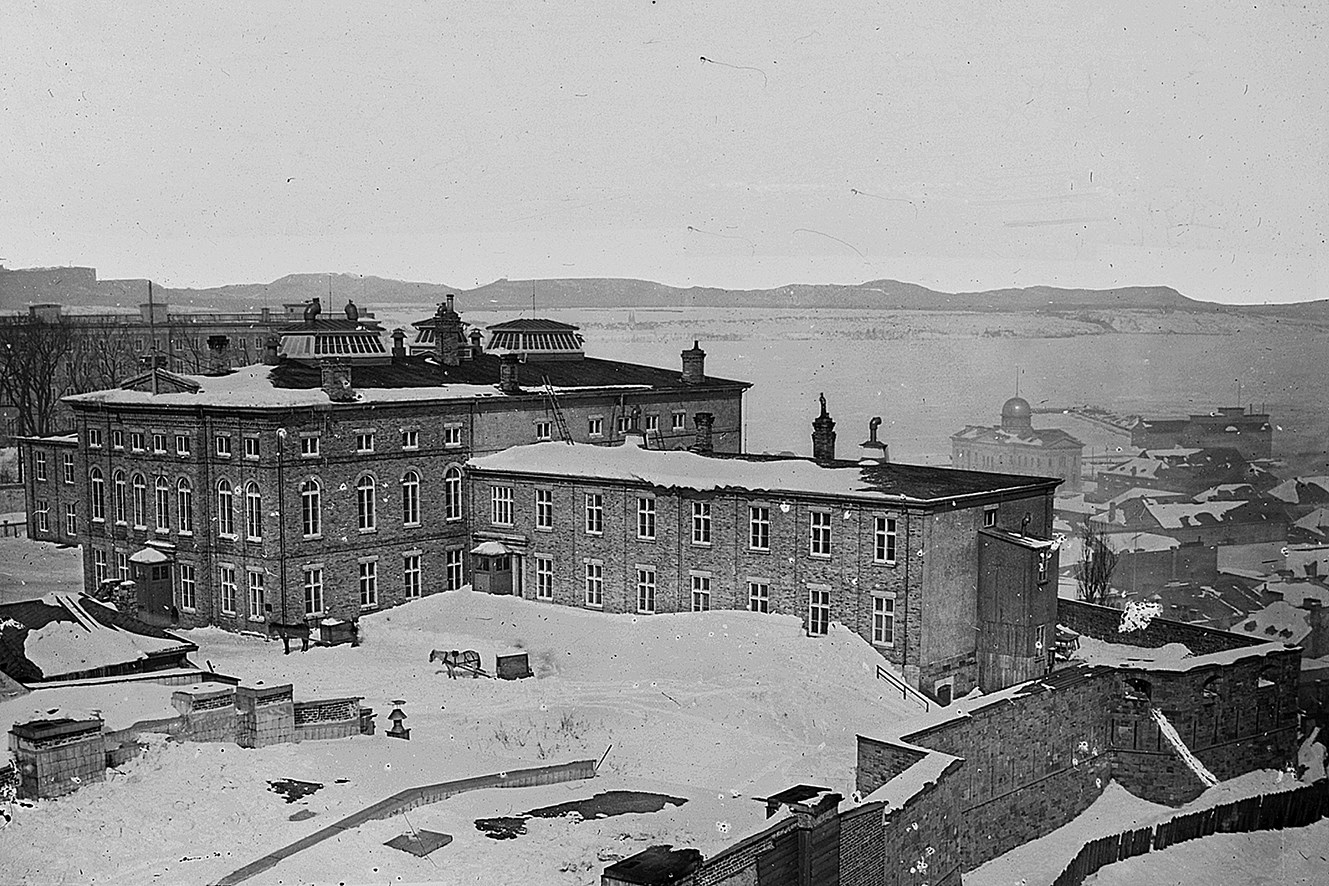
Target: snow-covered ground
<point>29,569</point>
<point>715,707</point>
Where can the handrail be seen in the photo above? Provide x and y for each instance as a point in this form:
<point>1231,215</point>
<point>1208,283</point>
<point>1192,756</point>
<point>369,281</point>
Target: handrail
<point>906,691</point>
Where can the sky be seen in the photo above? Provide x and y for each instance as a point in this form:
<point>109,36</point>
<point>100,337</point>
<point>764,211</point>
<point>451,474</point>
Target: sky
<point>746,145</point>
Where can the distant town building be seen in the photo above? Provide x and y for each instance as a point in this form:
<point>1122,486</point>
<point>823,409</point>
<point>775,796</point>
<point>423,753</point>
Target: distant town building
<point>1230,427</point>
<point>1017,447</point>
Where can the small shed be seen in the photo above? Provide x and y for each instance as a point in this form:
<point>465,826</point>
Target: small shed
<point>513,664</point>
<point>655,866</point>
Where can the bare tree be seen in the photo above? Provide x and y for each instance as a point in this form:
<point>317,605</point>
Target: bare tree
<point>102,357</point>
<point>33,352</point>
<point>1097,561</point>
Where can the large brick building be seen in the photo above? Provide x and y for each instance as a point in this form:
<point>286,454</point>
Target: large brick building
<point>1017,447</point>
<point>950,574</point>
<point>327,480</point>
<point>51,472</point>
<point>1229,427</point>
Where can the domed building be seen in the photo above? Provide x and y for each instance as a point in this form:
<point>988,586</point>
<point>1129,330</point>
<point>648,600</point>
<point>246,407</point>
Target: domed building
<point>1017,447</point>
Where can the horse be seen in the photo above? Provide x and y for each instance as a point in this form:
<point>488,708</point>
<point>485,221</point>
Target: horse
<point>299,631</point>
<point>468,660</point>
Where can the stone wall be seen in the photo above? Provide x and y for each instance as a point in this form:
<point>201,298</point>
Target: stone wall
<point>265,715</point>
<point>55,758</point>
<point>1101,622</point>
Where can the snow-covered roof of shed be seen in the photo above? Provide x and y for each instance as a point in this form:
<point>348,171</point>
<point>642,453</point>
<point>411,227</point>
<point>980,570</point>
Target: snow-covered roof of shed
<point>677,469</point>
<point>897,792</point>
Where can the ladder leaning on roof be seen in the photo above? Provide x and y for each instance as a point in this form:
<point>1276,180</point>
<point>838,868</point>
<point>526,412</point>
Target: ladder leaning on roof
<point>559,422</point>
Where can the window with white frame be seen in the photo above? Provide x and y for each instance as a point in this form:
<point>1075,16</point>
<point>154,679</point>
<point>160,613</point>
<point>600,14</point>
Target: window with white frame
<point>544,578</point>
<point>313,590</point>
<point>67,465</point>
<point>161,498</point>
<point>595,426</point>
<point>595,513</point>
<point>990,515</point>
<point>251,446</point>
<point>701,592</point>
<point>311,508</point>
<point>646,589</point>
<point>544,509</point>
<point>759,596</point>
<point>225,509</point>
<point>159,444</point>
<point>501,502</point>
<point>182,445</point>
<point>410,438</point>
<point>452,493</point>
<point>819,610</point>
<point>122,565</point>
<point>253,512</point>
<point>410,499</point>
<point>43,515</point>
<point>411,574</point>
<point>623,424</point>
<point>117,439</point>
<point>39,465</point>
<point>136,441</point>
<point>309,445</point>
<point>221,444</point>
<point>97,495</point>
<point>883,620</point>
<point>188,586</point>
<point>595,582</point>
<point>366,503</point>
<point>883,539</point>
<point>368,583</point>
<point>184,506</point>
<point>118,486</point>
<point>100,570</point>
<point>140,502</point>
<point>646,517</point>
<point>452,568</point>
<point>678,421</point>
<point>452,436</point>
<point>652,423</point>
<point>364,441</point>
<point>759,527</point>
<point>71,519</point>
<point>819,533</point>
<point>257,594</point>
<point>701,522</point>
<point>226,575</point>
<point>94,438</point>
<point>544,430</point>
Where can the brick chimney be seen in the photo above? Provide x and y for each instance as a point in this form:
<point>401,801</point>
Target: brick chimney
<point>447,333</point>
<point>823,435</point>
<point>477,342</point>
<point>337,380</point>
<point>219,354</point>
<point>398,345</point>
<point>509,374</point>
<point>694,365</point>
<point>270,345</point>
<point>1316,643</point>
<point>872,449</point>
<point>704,442</point>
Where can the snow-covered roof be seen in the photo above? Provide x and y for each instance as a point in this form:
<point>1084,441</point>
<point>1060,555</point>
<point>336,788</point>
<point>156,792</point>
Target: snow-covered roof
<point>1033,438</point>
<point>1289,492</point>
<point>1176,515</point>
<point>1316,521</point>
<point>1279,622</point>
<point>707,473</point>
<point>1169,657</point>
<point>1141,492</point>
<point>897,792</point>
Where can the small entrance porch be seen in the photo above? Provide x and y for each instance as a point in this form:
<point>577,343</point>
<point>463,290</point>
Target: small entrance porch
<point>154,586</point>
<point>496,568</point>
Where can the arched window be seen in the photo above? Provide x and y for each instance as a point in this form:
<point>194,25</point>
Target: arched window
<point>410,498</point>
<point>1140,690</point>
<point>1212,688</point>
<point>365,505</point>
<point>452,493</point>
<point>184,504</point>
<point>97,483</point>
<point>118,496</point>
<point>140,501</point>
<point>225,508</point>
<point>311,507</point>
<point>162,504</point>
<point>253,512</point>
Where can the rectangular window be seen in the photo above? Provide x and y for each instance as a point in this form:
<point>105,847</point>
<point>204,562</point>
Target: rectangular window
<point>883,620</point>
<point>452,567</point>
<point>819,534</point>
<point>368,583</point>
<point>544,430</point>
<point>257,591</point>
<point>646,518</point>
<point>759,596</point>
<point>182,446</point>
<point>159,444</point>
<point>595,583</point>
<point>595,426</point>
<point>71,520</point>
<point>117,439</point>
<point>701,522</point>
<point>501,499</point>
<point>701,592</point>
<point>883,540</point>
<point>309,445</point>
<point>39,464</point>
<point>94,438</point>
<point>990,515</point>
<point>452,436</point>
<point>819,610</point>
<point>67,467</point>
<point>678,421</point>
<point>595,513</point>
<point>544,578</point>
<point>251,447</point>
<point>188,587</point>
<point>410,575</point>
<point>221,444</point>
<point>759,528</point>
<point>652,423</point>
<point>100,571</point>
<point>364,441</point>
<point>1044,556</point>
<point>136,441</point>
<point>410,439</point>
<point>313,590</point>
<point>227,575</point>
<point>544,509</point>
<point>1040,639</point>
<point>645,588</point>
<point>122,565</point>
<point>623,424</point>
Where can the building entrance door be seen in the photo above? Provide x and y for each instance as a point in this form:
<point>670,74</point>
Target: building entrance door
<point>153,581</point>
<point>493,574</point>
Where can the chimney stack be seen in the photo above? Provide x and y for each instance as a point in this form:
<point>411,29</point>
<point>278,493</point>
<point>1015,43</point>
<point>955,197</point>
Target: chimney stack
<point>398,345</point>
<point>823,435</point>
<point>477,342</point>
<point>1316,643</point>
<point>447,334</point>
<point>219,354</point>
<point>337,380</point>
<point>270,350</point>
<point>704,442</point>
<point>872,449</point>
<point>694,365</point>
<point>509,378</point>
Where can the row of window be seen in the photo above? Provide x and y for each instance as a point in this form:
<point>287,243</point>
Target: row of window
<point>39,466</point>
<point>310,446</point>
<point>885,532</point>
<point>43,518</point>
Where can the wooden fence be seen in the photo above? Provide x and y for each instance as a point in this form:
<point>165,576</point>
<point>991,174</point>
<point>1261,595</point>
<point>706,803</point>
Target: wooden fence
<point>1266,812</point>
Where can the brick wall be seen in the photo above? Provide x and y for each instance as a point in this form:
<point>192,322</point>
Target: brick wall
<point>264,716</point>
<point>57,759</point>
<point>1101,622</point>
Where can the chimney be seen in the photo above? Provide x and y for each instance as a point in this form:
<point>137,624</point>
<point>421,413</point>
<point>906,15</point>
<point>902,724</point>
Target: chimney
<point>694,365</point>
<point>872,449</point>
<point>398,345</point>
<point>1316,643</point>
<point>219,354</point>
<point>337,380</point>
<point>270,350</point>
<point>477,341</point>
<point>823,435</point>
<point>447,334</point>
<point>509,374</point>
<point>704,443</point>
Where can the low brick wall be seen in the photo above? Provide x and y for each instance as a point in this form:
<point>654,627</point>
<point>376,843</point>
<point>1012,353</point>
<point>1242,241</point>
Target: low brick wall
<point>327,719</point>
<point>1101,622</point>
<point>265,715</point>
<point>57,758</point>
